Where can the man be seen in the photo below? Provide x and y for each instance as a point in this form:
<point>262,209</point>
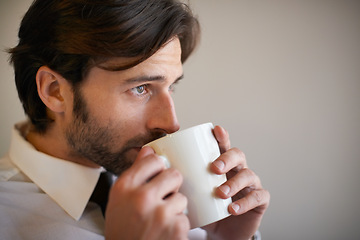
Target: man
<point>95,79</point>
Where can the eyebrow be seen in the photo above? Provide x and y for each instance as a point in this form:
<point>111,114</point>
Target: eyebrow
<point>142,79</point>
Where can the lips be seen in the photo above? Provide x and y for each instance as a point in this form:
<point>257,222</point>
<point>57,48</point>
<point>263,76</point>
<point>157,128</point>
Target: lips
<point>137,149</point>
<point>137,143</point>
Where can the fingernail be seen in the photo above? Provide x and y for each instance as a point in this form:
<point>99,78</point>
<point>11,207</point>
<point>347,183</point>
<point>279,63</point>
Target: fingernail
<point>225,189</point>
<point>235,207</point>
<point>219,164</point>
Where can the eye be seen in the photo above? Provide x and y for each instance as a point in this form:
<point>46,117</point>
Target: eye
<point>139,90</point>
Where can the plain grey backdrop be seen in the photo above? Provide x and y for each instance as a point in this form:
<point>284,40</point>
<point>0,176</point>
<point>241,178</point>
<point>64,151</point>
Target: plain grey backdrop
<point>283,77</point>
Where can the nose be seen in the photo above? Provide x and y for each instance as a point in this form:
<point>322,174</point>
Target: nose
<point>162,116</point>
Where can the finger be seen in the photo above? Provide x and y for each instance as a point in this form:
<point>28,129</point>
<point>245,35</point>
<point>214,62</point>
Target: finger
<point>176,203</point>
<point>182,227</point>
<point>167,220</point>
<point>146,166</point>
<point>145,151</point>
<point>222,137</point>
<point>255,200</point>
<point>232,159</point>
<point>165,183</point>
<point>243,179</point>
<point>170,214</point>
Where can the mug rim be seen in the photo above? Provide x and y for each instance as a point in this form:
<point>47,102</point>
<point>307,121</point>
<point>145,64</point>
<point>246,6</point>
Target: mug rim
<point>180,132</point>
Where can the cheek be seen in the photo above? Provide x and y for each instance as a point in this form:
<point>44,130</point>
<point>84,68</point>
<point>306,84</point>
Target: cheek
<point>102,105</point>
<point>115,109</point>
<point>129,117</point>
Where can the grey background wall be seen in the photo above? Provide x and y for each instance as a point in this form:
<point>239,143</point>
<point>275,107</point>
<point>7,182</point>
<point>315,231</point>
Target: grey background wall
<point>283,77</point>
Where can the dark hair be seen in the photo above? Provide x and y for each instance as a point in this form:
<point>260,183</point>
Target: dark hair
<point>71,36</point>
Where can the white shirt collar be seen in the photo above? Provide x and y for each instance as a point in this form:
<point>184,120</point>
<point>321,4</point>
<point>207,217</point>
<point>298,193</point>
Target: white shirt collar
<point>69,184</point>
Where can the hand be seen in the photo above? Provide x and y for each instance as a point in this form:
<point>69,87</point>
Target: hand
<point>144,202</point>
<point>250,200</point>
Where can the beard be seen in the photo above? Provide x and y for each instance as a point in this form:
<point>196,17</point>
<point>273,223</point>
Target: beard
<point>89,139</point>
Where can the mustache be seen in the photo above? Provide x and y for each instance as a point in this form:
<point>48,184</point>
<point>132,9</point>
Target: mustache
<point>119,162</point>
<point>141,140</point>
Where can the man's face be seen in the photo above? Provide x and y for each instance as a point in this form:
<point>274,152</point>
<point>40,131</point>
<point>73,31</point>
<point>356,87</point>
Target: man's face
<point>116,112</point>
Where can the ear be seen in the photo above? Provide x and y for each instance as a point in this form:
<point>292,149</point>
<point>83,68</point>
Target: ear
<point>52,89</point>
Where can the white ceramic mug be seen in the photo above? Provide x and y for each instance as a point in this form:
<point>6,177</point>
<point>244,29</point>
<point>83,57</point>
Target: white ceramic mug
<point>191,151</point>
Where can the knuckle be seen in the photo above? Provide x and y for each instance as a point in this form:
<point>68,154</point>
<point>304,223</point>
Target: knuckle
<point>257,196</point>
<point>181,227</point>
<point>267,195</point>
<point>250,175</point>
<point>182,199</point>
<point>239,158</point>
<point>157,159</point>
<point>176,174</point>
<point>151,160</point>
<point>238,152</point>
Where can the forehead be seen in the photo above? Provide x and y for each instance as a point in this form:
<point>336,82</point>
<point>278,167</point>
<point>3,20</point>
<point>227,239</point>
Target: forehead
<point>168,56</point>
<point>164,64</point>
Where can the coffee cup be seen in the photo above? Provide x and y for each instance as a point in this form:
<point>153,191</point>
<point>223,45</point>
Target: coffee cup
<point>191,151</point>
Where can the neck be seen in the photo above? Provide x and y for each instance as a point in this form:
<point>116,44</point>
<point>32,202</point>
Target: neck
<point>53,143</point>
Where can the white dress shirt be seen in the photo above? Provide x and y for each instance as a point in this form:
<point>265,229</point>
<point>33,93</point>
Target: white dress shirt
<point>42,197</point>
